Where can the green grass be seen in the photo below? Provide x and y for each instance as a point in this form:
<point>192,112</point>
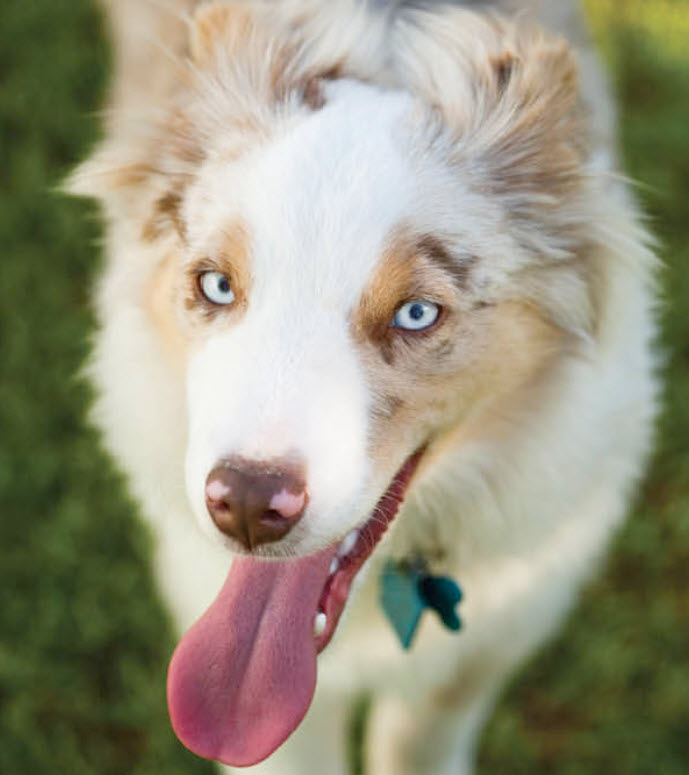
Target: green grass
<point>83,639</point>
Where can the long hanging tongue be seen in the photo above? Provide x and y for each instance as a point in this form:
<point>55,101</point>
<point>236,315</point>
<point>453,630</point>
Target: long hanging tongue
<point>243,677</point>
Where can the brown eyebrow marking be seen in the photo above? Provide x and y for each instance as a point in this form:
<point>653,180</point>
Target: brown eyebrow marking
<point>459,270</point>
<point>412,265</point>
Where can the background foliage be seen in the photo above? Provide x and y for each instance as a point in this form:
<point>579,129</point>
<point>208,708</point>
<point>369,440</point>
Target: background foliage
<point>83,639</point>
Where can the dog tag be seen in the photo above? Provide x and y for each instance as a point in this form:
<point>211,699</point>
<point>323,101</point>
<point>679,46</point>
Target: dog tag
<point>443,595</point>
<point>407,589</point>
<point>402,600</point>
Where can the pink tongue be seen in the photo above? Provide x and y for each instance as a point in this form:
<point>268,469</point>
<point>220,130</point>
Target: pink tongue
<point>242,678</point>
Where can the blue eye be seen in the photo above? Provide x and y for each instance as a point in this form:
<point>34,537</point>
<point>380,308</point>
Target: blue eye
<point>416,315</point>
<point>216,288</point>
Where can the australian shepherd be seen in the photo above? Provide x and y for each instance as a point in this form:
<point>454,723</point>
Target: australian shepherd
<point>375,331</point>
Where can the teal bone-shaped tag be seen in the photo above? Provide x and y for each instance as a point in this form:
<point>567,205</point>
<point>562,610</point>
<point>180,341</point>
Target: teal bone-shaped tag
<point>408,589</point>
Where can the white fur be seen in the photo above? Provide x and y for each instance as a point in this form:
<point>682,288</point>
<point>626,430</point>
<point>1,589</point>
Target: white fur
<point>303,393</point>
<point>523,513</point>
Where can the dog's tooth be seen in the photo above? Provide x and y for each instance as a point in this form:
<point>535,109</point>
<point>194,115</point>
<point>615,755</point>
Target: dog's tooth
<point>334,565</point>
<point>319,624</point>
<point>348,543</point>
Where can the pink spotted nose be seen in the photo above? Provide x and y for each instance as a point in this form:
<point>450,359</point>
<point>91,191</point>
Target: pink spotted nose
<point>256,502</point>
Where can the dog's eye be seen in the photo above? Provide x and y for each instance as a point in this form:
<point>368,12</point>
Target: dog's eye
<point>416,315</point>
<point>216,288</point>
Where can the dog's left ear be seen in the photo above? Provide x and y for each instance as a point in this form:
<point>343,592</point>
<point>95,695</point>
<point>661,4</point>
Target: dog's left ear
<point>509,97</point>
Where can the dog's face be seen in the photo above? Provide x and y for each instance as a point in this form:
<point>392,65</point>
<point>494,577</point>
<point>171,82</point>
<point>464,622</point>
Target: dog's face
<point>345,283</point>
<point>335,308</point>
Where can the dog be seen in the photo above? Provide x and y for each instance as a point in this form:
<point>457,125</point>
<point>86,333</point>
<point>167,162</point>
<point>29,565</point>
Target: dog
<point>376,321</point>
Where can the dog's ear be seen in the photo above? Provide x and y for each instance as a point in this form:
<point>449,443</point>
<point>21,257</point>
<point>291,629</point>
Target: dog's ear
<point>245,43</point>
<point>243,64</point>
<point>240,66</point>
<point>266,49</point>
<point>532,134</point>
<point>509,97</point>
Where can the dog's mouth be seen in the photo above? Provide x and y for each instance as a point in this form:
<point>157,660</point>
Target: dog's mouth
<point>242,678</point>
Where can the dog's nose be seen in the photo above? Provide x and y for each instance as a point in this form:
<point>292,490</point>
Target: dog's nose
<point>253,502</point>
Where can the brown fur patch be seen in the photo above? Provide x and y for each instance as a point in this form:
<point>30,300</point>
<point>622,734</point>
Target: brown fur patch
<point>270,59</point>
<point>181,314</point>
<point>393,282</point>
<point>233,30</point>
<point>413,266</point>
<point>544,144</point>
<point>449,394</point>
<point>162,304</point>
<point>129,175</point>
<point>518,345</point>
<point>313,92</point>
<point>504,66</point>
<point>462,376</point>
<point>235,260</point>
<point>314,96</point>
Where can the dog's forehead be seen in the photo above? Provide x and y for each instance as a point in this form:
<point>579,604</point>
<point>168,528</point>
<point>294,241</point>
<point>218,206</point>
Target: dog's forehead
<point>320,200</point>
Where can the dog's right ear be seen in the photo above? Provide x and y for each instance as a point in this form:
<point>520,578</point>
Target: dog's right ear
<point>508,99</point>
<point>508,94</point>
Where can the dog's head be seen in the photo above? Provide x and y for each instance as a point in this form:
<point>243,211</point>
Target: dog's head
<point>367,237</point>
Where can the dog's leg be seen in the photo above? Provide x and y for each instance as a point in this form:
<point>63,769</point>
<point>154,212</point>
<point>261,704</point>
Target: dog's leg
<point>424,739</point>
<point>438,733</point>
<point>318,746</point>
